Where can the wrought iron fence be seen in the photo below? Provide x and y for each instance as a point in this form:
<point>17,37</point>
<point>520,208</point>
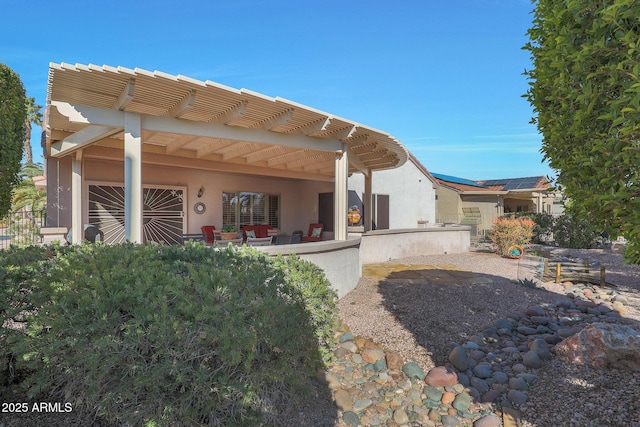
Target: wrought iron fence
<point>22,228</point>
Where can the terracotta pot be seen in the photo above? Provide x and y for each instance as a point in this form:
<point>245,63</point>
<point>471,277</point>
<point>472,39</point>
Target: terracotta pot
<point>228,235</point>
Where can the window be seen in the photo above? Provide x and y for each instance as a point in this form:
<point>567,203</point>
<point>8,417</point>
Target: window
<point>242,208</point>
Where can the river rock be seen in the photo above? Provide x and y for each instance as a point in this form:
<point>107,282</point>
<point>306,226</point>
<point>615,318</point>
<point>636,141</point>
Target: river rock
<point>441,376</point>
<point>413,371</point>
<point>541,347</point>
<point>458,358</point>
<point>487,421</point>
<point>603,345</point>
<point>531,360</point>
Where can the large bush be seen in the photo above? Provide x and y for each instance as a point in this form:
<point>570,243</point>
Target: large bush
<point>506,232</point>
<point>158,335</point>
<point>13,113</point>
<point>572,231</point>
<point>543,225</point>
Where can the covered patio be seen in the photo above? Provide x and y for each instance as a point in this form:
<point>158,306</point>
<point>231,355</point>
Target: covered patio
<point>149,156</point>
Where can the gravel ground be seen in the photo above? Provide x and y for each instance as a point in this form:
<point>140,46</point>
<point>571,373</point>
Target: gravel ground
<point>421,320</point>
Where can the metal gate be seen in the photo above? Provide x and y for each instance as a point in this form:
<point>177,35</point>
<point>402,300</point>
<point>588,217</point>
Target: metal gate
<point>163,215</point>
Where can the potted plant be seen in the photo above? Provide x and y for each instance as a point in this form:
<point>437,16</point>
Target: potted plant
<point>353,216</point>
<point>228,232</point>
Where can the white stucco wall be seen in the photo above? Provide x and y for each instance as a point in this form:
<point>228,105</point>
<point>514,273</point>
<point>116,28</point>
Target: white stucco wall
<point>412,196</point>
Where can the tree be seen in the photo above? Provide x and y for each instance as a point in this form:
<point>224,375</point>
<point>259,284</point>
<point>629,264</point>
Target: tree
<point>26,195</point>
<point>33,116</point>
<point>12,132</point>
<point>585,93</point>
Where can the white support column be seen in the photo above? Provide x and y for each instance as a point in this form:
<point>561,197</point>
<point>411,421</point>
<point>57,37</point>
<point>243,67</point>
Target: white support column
<point>77,221</point>
<point>133,206</point>
<point>340,195</point>
<point>368,212</point>
<point>539,208</point>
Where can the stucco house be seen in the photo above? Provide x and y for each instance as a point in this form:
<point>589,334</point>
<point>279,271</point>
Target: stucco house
<point>403,197</point>
<point>478,203</point>
<point>149,157</point>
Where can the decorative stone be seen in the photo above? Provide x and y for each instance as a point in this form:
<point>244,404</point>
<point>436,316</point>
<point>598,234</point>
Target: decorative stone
<point>462,402</point>
<point>400,416</point>
<point>458,358</point>
<point>450,421</point>
<point>413,371</point>
<point>440,376</point>
<point>603,345</point>
<point>343,400</point>
<point>448,397</point>
<point>531,360</point>
<point>479,384</point>
<point>541,347</point>
<point>482,370</point>
<point>394,360</point>
<point>347,336</point>
<point>362,404</point>
<point>535,310</point>
<point>517,397</point>
<point>372,355</point>
<point>487,421</point>
<point>433,393</point>
<point>518,384</point>
<point>351,418</point>
<point>350,346</point>
<point>500,377</point>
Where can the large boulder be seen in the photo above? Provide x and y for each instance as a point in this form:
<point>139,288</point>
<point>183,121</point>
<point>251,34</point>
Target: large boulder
<point>603,345</point>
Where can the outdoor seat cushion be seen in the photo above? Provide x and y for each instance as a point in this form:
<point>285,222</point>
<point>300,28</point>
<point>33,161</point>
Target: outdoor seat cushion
<point>208,232</point>
<point>259,230</point>
<point>314,234</point>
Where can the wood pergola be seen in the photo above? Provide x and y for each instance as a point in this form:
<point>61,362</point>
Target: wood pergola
<point>145,117</point>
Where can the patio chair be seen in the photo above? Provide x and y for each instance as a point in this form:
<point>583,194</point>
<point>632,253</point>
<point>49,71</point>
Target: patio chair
<point>259,241</point>
<point>208,233</point>
<point>225,243</point>
<point>314,234</point>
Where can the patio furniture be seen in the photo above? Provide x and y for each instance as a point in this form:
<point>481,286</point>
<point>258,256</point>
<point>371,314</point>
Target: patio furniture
<point>259,241</point>
<point>253,231</point>
<point>193,237</point>
<point>282,239</point>
<point>296,237</point>
<point>225,243</point>
<point>208,231</point>
<point>314,234</point>
<point>92,234</point>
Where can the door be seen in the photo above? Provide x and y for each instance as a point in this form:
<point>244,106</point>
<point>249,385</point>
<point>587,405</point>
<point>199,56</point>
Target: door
<point>163,215</point>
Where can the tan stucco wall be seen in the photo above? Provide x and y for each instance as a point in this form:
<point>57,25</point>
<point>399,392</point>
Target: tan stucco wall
<point>448,205</point>
<point>298,198</point>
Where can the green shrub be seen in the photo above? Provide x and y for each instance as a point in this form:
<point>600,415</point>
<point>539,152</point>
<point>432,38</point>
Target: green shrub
<point>21,269</point>
<point>571,231</point>
<point>158,335</point>
<point>318,296</point>
<point>506,232</point>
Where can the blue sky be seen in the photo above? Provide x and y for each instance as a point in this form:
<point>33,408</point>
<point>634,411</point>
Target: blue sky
<point>444,77</point>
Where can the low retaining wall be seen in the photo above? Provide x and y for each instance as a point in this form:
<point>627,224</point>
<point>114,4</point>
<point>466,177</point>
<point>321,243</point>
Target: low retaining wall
<point>383,245</point>
<point>339,260</point>
<point>342,261</point>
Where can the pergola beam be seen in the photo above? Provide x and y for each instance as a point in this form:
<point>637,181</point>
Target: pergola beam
<point>126,96</point>
<point>81,139</point>
<point>184,105</point>
<point>84,114</point>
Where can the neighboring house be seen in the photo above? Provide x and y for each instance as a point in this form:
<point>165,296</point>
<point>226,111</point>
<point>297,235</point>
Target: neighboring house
<point>148,156</point>
<point>478,203</point>
<point>403,197</point>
